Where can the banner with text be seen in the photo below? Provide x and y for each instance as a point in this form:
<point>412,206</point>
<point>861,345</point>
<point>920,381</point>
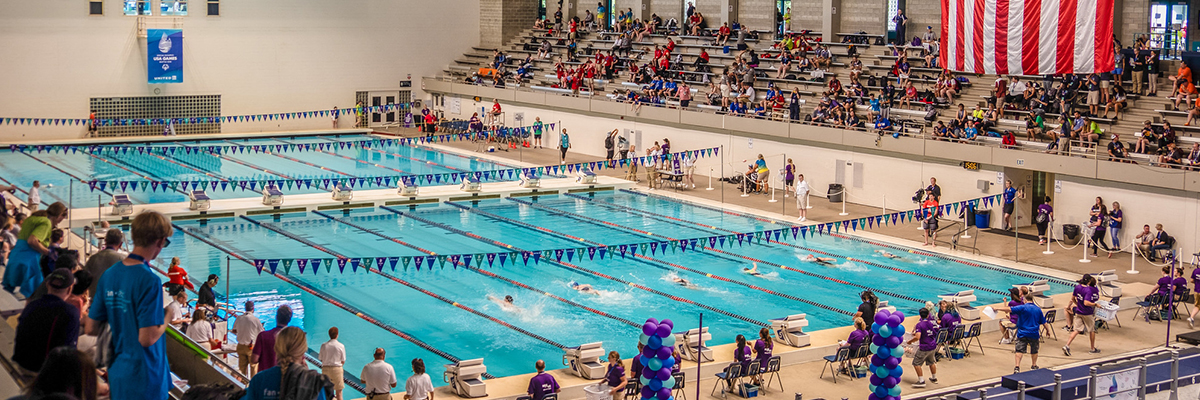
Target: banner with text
<point>164,56</point>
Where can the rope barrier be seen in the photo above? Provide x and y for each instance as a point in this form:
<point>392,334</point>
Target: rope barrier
<point>866,262</point>
<point>481,271</point>
<point>410,285</point>
<point>631,284</point>
<point>325,296</point>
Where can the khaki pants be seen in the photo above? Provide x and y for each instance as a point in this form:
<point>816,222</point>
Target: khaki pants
<point>651,177</point>
<point>380,396</point>
<point>244,353</point>
<point>632,175</point>
<point>335,375</point>
<point>1153,83</point>
<point>1137,81</point>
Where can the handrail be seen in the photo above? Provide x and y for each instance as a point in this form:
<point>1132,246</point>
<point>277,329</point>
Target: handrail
<point>1092,379</point>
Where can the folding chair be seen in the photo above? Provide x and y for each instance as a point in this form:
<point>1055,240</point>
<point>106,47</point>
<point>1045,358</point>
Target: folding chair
<point>842,355</point>
<point>772,370</point>
<point>633,390</point>
<point>1151,303</point>
<point>752,371</point>
<point>861,355</point>
<point>942,336</point>
<point>1182,298</point>
<point>955,336</point>
<point>972,336</point>
<point>725,378</point>
<point>680,384</point>
<point>1048,327</point>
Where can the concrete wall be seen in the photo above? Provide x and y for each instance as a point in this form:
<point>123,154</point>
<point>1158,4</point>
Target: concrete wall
<point>712,11</point>
<point>261,56</point>
<point>1140,205</point>
<point>884,176</point>
<point>1134,18</point>
<point>501,20</point>
<point>923,13</point>
<point>667,9</point>
<point>757,14</point>
<point>806,14</point>
<point>864,15</point>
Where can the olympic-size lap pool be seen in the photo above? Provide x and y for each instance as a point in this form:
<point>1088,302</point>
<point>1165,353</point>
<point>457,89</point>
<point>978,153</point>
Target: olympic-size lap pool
<point>445,313</point>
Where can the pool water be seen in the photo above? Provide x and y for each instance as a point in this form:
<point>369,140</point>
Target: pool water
<point>444,313</point>
<point>57,170</point>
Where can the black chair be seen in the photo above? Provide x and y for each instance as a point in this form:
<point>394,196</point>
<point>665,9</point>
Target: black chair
<point>943,336</point>
<point>680,384</point>
<point>843,354</point>
<point>772,372</point>
<point>973,336</point>
<point>633,390</point>
<point>861,356</point>
<point>1048,327</point>
<point>725,378</point>
<point>1152,303</point>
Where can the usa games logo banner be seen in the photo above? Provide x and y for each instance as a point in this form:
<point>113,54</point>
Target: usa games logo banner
<point>164,50</point>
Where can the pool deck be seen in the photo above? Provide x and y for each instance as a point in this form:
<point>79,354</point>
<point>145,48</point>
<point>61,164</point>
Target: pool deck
<point>362,198</point>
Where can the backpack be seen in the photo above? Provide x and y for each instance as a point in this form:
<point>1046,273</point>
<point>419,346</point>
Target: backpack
<point>608,142</point>
<point>1041,217</point>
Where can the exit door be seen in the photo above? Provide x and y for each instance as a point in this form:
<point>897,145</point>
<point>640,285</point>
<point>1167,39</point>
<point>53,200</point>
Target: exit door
<point>388,107</point>
<point>1168,25</point>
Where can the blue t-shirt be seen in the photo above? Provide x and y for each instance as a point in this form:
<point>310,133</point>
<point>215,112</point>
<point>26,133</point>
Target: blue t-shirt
<point>265,385</point>
<point>130,297</point>
<point>1029,321</point>
<point>1009,195</point>
<point>1085,293</point>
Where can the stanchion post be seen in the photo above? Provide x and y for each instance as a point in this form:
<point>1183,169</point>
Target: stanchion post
<point>1086,239</point>
<point>710,174</point>
<point>699,360</point>
<point>1049,238</point>
<point>228,277</point>
<point>1174,375</point>
<point>1133,249</point>
<point>770,181</point>
<point>843,193</point>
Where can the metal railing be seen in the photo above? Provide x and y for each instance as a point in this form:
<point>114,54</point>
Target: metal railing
<point>1092,381</point>
<point>1170,42</point>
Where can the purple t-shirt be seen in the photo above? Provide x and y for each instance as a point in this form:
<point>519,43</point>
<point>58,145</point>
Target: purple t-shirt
<point>1085,293</point>
<point>1196,279</point>
<point>950,320</point>
<point>763,349</point>
<point>543,384</point>
<point>613,377</point>
<point>743,356</point>
<point>1180,284</point>
<point>857,338</point>
<point>1013,303</point>
<point>1164,285</point>
<point>928,331</point>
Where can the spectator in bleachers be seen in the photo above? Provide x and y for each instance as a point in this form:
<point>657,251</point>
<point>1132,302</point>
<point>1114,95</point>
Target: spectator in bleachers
<point>1172,156</point>
<point>46,323</point>
<point>1193,158</point>
<point>1147,138</point>
<point>1117,152</point>
<point>1182,77</point>
<point>901,22</point>
<point>1166,135</point>
<point>1118,99</point>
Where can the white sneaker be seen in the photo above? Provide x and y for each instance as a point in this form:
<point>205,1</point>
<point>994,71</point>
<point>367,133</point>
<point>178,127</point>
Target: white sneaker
<point>1191,323</point>
<point>1005,341</point>
<point>919,384</point>
<point>803,219</point>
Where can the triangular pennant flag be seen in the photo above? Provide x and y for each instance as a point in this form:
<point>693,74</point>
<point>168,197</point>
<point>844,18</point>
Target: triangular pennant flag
<point>342,264</point>
<point>258,265</point>
<point>272,264</point>
<point>301,263</point>
<point>287,266</point>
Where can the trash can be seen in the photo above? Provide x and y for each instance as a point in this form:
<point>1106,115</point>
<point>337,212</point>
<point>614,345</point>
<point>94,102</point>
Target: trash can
<point>1070,234</point>
<point>835,192</point>
<point>983,218</point>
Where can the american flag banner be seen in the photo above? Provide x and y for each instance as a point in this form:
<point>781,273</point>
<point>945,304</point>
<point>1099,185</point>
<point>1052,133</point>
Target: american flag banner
<point>1030,37</point>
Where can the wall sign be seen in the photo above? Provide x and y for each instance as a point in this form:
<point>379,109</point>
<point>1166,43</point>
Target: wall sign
<point>164,56</point>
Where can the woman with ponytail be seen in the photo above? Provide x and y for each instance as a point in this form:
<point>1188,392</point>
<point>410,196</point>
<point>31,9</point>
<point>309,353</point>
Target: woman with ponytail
<point>290,378</point>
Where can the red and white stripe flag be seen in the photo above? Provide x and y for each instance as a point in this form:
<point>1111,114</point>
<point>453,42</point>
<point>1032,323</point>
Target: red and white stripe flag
<point>1030,37</point>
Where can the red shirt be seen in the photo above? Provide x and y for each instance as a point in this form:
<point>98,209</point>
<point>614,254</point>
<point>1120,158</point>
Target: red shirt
<point>670,46</point>
<point>264,347</point>
<point>179,276</point>
<point>704,55</point>
<point>495,107</point>
<point>724,29</point>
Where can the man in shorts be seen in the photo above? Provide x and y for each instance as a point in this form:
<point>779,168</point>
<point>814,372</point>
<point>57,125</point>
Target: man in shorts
<point>925,334</point>
<point>1084,301</point>
<point>1029,325</point>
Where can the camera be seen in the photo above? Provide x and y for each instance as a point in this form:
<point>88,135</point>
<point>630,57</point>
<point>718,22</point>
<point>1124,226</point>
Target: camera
<point>920,195</point>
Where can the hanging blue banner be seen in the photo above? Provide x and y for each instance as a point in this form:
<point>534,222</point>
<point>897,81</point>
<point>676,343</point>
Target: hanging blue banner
<point>164,56</point>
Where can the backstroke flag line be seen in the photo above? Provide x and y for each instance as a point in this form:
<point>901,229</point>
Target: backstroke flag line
<point>1029,37</point>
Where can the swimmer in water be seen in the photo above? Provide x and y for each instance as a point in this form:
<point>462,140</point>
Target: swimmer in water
<point>752,271</point>
<point>583,288</point>
<point>683,282</point>
<point>506,303</point>
<point>886,254</point>
<point>818,260</point>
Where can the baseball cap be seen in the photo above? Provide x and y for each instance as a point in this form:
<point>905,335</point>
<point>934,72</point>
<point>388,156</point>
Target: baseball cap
<point>60,279</point>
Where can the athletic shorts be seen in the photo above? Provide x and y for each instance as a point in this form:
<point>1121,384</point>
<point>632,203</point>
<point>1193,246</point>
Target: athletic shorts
<point>1008,208</point>
<point>1083,323</point>
<point>925,357</point>
<point>1093,97</point>
<point>802,200</point>
<point>1030,344</point>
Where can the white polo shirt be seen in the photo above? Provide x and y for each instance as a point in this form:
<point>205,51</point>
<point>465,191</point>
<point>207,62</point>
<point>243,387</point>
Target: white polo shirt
<point>378,377</point>
<point>333,354</point>
<point>248,327</point>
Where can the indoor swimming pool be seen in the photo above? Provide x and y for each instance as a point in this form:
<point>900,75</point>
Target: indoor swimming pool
<point>448,312</point>
<point>199,162</point>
